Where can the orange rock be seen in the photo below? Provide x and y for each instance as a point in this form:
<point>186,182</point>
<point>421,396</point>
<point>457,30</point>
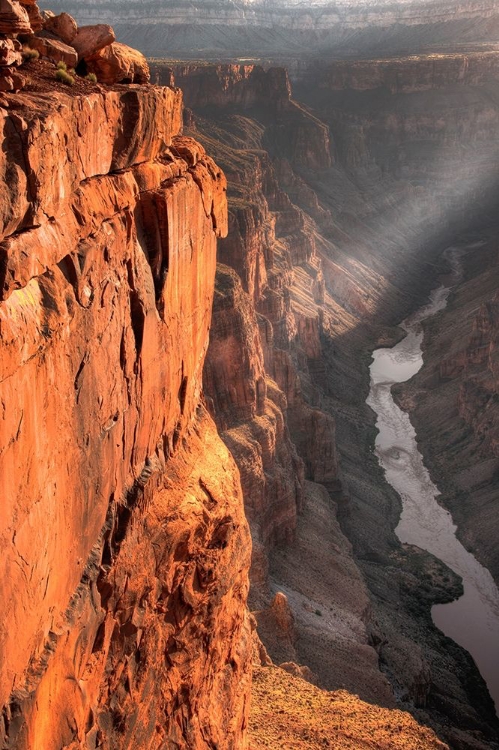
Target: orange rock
<point>91,39</point>
<point>11,80</point>
<point>10,52</point>
<point>118,63</point>
<point>14,18</point>
<point>141,638</point>
<point>34,15</point>
<point>55,50</point>
<point>141,121</point>
<point>63,25</point>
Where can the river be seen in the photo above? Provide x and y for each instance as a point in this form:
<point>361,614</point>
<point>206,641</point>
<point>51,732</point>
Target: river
<point>473,620</point>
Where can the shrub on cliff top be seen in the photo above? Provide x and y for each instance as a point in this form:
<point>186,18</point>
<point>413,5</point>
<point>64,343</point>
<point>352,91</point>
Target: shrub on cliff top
<point>64,77</point>
<point>30,54</point>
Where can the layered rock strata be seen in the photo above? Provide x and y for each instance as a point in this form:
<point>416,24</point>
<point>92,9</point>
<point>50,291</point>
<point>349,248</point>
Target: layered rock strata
<point>125,548</point>
<point>286,29</point>
<point>421,72</point>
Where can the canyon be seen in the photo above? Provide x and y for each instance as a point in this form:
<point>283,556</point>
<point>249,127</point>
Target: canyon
<point>193,277</point>
<point>413,200</point>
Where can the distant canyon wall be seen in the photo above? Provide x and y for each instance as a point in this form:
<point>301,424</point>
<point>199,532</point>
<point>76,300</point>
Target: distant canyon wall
<point>289,29</point>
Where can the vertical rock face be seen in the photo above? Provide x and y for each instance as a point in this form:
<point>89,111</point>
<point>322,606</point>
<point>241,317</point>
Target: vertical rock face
<point>258,331</point>
<point>249,410</point>
<point>124,545</point>
<point>233,85</point>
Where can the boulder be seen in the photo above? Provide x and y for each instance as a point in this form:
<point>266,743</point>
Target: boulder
<point>63,26</point>
<point>55,50</point>
<point>35,17</point>
<point>11,80</point>
<point>119,63</point>
<point>10,52</point>
<point>90,39</point>
<point>14,18</point>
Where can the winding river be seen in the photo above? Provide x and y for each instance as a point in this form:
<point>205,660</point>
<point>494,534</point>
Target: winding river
<point>473,620</point>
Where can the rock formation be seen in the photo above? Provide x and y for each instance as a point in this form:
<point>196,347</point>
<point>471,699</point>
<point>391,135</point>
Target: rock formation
<point>58,38</point>
<point>125,548</point>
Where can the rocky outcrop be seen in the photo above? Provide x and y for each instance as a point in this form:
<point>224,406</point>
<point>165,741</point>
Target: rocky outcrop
<point>58,38</point>
<point>55,50</point>
<point>125,548</point>
<point>63,26</point>
<point>118,62</point>
<point>14,21</point>
<point>91,39</point>
<point>14,18</point>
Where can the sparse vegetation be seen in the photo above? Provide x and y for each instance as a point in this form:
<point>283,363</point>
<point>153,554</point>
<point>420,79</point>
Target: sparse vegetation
<point>318,613</point>
<point>30,54</point>
<point>63,76</point>
<point>91,77</point>
<point>61,65</point>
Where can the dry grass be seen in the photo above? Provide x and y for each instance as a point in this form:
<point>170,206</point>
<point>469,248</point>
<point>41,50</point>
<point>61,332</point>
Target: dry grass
<point>291,714</point>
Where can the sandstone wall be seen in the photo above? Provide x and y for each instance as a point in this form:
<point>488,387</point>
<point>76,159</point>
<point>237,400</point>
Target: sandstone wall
<point>124,545</point>
<point>419,72</point>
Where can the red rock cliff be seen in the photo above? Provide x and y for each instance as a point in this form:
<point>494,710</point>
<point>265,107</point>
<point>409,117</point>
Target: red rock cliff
<point>124,545</point>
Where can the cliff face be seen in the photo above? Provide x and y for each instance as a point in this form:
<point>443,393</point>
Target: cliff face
<point>242,86</point>
<point>108,459</point>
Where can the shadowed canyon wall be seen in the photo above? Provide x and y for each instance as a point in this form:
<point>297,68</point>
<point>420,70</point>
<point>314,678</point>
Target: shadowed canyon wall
<point>459,438</point>
<point>334,236</point>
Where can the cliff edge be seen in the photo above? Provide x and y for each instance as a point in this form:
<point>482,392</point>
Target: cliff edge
<point>125,547</point>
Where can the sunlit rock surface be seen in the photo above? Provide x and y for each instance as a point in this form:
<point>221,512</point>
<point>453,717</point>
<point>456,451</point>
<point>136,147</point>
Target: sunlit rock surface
<point>125,548</point>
